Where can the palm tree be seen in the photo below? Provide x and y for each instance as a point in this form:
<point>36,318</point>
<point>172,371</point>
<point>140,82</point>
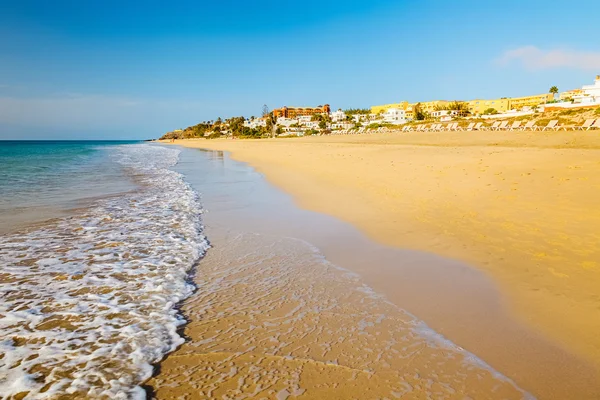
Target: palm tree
<point>554,90</point>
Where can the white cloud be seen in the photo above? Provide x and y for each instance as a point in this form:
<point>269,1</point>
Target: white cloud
<point>534,58</point>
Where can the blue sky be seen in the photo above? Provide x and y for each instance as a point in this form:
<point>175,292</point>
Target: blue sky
<point>128,69</point>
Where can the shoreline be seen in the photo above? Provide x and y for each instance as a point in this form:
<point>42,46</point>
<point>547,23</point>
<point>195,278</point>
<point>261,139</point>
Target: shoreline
<point>242,150</point>
<point>306,259</point>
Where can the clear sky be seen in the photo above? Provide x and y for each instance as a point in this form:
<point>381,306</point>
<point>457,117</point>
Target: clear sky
<point>129,69</point>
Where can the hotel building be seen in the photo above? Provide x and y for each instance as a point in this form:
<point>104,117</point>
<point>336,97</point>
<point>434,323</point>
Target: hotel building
<point>394,116</point>
<point>294,112</point>
<point>570,94</point>
<point>430,106</point>
<point>427,106</point>
<point>479,106</point>
<point>517,103</point>
<point>403,105</point>
<point>587,96</point>
<point>590,94</point>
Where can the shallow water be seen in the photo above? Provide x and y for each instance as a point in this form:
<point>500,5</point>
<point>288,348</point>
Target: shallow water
<point>88,301</point>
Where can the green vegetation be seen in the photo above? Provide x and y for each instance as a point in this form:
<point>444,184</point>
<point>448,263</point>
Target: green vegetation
<point>271,122</point>
<point>214,135</point>
<point>459,106</point>
<point>311,132</point>
<point>569,112</point>
<point>553,90</point>
<point>597,112</point>
<point>355,111</point>
<point>490,111</point>
<point>383,125</point>
<point>453,106</point>
<point>418,112</point>
<point>323,119</point>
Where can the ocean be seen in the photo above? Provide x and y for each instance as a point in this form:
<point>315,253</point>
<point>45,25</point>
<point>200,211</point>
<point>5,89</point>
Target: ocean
<point>96,246</point>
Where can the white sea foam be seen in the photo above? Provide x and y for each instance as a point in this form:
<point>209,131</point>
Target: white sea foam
<point>88,302</point>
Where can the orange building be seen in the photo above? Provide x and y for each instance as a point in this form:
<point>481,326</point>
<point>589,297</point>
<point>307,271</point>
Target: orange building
<point>293,112</point>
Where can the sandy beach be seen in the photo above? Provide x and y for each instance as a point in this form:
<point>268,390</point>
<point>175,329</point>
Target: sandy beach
<point>520,207</point>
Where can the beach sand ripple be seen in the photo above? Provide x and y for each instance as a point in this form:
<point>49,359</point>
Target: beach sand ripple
<point>273,319</point>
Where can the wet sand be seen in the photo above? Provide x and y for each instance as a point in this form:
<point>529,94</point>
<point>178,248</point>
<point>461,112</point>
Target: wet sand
<point>261,283</point>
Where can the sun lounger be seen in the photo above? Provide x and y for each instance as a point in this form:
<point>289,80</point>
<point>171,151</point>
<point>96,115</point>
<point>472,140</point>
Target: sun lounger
<point>501,126</point>
<point>471,126</point>
<point>494,126</point>
<point>515,126</point>
<point>529,126</point>
<point>479,126</point>
<point>552,125</point>
<point>587,125</point>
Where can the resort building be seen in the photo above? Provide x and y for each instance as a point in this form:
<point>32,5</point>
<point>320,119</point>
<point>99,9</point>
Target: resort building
<point>394,116</point>
<point>302,119</point>
<point>255,123</point>
<point>446,115</point>
<point>286,122</point>
<point>403,105</point>
<point>293,112</point>
<point>430,106</point>
<point>338,115</point>
<point>590,93</point>
<point>479,106</point>
<point>516,103</point>
<point>342,125</point>
<point>570,94</point>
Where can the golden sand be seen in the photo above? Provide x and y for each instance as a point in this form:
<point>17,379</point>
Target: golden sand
<point>523,207</point>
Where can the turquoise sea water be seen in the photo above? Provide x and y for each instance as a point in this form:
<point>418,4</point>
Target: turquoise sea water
<point>96,242</point>
<point>40,178</point>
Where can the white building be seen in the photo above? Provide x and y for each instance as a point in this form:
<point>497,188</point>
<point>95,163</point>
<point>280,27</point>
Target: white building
<point>342,125</point>
<point>304,118</point>
<point>338,115</point>
<point>590,93</point>
<point>255,123</point>
<point>394,116</point>
<point>444,115</point>
<point>286,121</point>
<point>311,124</point>
<point>440,113</point>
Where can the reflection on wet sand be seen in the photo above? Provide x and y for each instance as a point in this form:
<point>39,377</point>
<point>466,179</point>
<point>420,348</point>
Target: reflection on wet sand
<point>273,319</point>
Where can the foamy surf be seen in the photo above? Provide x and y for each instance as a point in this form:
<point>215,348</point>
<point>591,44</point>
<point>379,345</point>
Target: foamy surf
<point>89,301</point>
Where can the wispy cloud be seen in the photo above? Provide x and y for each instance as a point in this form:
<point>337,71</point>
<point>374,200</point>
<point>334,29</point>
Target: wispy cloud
<point>534,58</point>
